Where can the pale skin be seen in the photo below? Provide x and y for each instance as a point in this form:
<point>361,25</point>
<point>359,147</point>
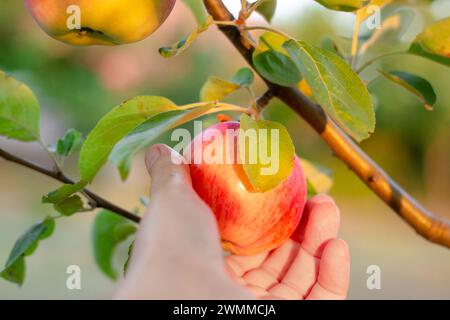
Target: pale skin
<point>177,253</point>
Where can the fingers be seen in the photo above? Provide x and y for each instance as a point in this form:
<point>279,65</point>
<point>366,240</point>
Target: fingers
<point>272,269</point>
<point>334,272</point>
<point>177,248</point>
<point>239,265</point>
<point>300,277</point>
<point>319,224</point>
<point>280,260</point>
<point>291,270</point>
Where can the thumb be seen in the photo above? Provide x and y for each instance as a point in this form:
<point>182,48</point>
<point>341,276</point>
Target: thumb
<point>176,216</point>
<point>177,246</point>
<point>167,168</point>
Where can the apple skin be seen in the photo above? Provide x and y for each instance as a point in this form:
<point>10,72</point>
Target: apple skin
<point>249,222</point>
<point>103,22</point>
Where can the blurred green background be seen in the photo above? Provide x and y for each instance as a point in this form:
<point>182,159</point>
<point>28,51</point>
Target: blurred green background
<point>77,85</point>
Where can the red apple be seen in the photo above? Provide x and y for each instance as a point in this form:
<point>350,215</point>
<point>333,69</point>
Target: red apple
<point>249,222</point>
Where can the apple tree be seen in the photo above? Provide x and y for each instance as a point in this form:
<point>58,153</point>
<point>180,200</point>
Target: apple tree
<point>327,86</point>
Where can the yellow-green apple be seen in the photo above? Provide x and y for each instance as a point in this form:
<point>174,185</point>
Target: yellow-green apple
<point>249,222</point>
<point>103,22</point>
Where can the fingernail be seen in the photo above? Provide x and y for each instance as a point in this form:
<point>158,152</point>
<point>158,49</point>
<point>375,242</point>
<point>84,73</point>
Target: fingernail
<point>152,156</point>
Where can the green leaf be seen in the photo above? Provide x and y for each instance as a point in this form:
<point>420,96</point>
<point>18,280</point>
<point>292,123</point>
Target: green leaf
<point>265,175</point>
<point>19,110</point>
<point>272,61</point>
<point>145,135</point>
<point>331,45</point>
<point>418,86</point>
<point>63,192</point>
<point>319,178</point>
<point>434,42</point>
<point>217,89</point>
<point>109,231</point>
<point>15,265</point>
<point>180,46</point>
<point>127,262</point>
<point>70,142</point>
<point>199,11</point>
<point>123,230</point>
<point>277,68</point>
<point>69,206</point>
<point>267,9</point>
<point>244,77</point>
<point>336,88</point>
<point>39,231</point>
<point>15,273</point>
<point>417,50</point>
<point>271,41</point>
<point>343,5</point>
<point>113,127</point>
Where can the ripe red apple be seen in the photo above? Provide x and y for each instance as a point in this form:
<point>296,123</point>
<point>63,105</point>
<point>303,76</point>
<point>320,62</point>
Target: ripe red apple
<point>249,222</point>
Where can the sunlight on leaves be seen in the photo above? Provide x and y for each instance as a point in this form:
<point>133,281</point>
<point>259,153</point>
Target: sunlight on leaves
<point>146,134</point>
<point>273,62</point>
<point>216,89</point>
<point>336,88</point>
<point>434,42</point>
<point>264,175</point>
<point>114,126</point>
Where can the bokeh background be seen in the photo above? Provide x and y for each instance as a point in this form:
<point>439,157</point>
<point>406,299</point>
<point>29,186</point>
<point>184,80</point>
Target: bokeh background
<point>77,85</point>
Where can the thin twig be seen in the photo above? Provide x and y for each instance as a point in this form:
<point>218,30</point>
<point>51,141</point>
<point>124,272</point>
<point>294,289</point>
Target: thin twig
<point>355,39</point>
<point>60,176</point>
<point>428,225</point>
<point>375,59</point>
<point>265,28</point>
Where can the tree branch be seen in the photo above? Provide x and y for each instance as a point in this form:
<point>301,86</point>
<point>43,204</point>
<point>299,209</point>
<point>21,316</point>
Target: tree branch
<point>428,225</point>
<point>264,100</point>
<point>100,202</point>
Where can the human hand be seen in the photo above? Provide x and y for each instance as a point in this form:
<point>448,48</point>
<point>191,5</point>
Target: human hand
<point>177,253</point>
<point>313,264</point>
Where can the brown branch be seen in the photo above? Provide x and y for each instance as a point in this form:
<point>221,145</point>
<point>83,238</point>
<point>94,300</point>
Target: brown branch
<point>264,100</point>
<point>428,225</point>
<point>99,201</point>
